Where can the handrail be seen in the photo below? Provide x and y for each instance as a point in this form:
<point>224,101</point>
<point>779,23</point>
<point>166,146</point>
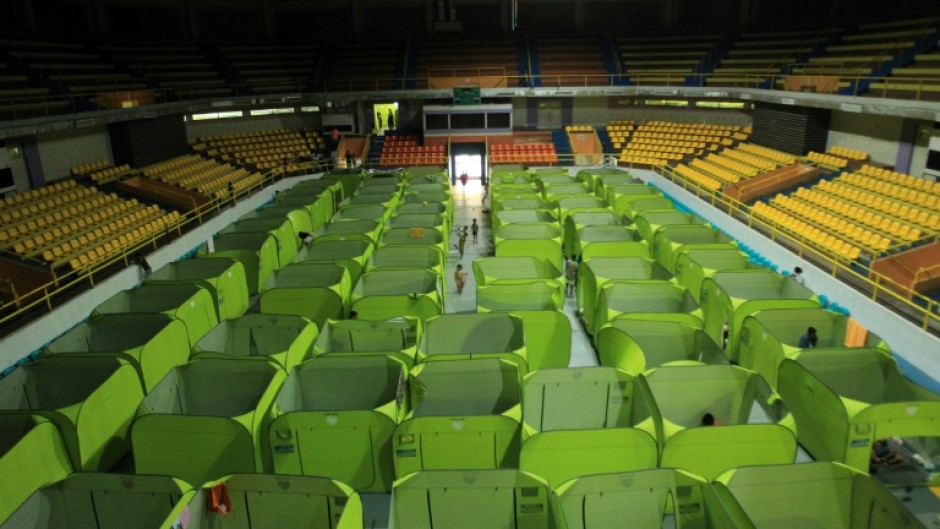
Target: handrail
<point>878,286</point>
<point>925,270</point>
<point>45,294</point>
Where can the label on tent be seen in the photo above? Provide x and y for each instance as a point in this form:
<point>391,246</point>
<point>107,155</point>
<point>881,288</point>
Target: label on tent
<point>531,508</point>
<point>859,443</point>
<point>406,452</point>
<point>284,449</point>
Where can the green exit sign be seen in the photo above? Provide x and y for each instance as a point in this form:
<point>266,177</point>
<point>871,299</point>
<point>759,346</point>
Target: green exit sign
<point>466,95</point>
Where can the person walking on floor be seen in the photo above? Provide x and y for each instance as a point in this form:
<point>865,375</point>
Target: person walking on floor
<point>461,242</point>
<point>474,230</point>
<point>349,159</point>
<point>571,276</point>
<point>378,120</point>
<point>460,278</point>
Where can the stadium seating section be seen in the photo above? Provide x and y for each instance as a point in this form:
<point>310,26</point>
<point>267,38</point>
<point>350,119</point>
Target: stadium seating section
<point>407,151</point>
<point>571,61</point>
<point>493,59</point>
<point>525,153</point>
<point>365,65</point>
<point>182,71</point>
<point>665,61</point>
<point>272,68</point>
<point>207,177</point>
<point>756,57</point>
<point>265,150</point>
<point>660,142</point>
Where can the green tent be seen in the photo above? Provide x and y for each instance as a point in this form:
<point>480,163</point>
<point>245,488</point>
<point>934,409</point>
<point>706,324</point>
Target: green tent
<point>560,177</point>
<point>316,291</point>
<point>418,220</point>
<point>351,252</point>
<point>641,298</point>
<point>516,269</point>
<point>432,237</point>
<point>389,293</point>
<point>580,421</point>
<point>468,336</point>
<point>577,202</point>
<point>670,241</point>
<point>522,231</point>
<point>588,235</point>
<point>810,496</point>
<point>638,344</point>
<point>502,191</point>
<point>32,450</point>
<point>420,207</point>
<point>769,336</point>
<point>427,172</point>
<point>187,302</point>
<point>374,212</point>
<point>548,251</point>
<point>521,295</point>
<point>578,219</point>
<point>693,265</point>
<point>408,256</point>
<point>320,185</point>
<point>614,249</point>
<point>648,498</point>
<point>595,272</point>
<point>106,501</point>
<point>387,201</point>
<point>257,252</point>
<point>350,181</point>
<point>634,207</point>
<point>438,197</point>
<point>299,217</point>
<point>547,338</point>
<point>320,208</point>
<point>427,187</point>
<point>843,400</point>
<point>379,187</point>
<point>91,401</point>
<point>740,436</point>
<point>397,338</point>
<point>282,338</point>
<point>554,192</point>
<point>465,414</point>
<point>474,499</point>
<point>345,228</point>
<point>596,176</point>
<point>651,220</point>
<point>508,174</point>
<point>512,216</point>
<point>152,343</point>
<point>282,229</point>
<point>335,416</point>
<point>621,196</point>
<point>603,187</point>
<point>223,278</point>
<point>729,297</point>
<point>533,202</point>
<point>262,501</point>
<point>207,419</point>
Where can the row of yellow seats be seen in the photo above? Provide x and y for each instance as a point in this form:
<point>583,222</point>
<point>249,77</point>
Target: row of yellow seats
<point>86,168</point>
<point>742,169</point>
<point>579,128</point>
<point>190,171</point>
<point>666,152</point>
<point>700,178</point>
<point>869,218</point>
<point>293,144</point>
<point>217,141</point>
<point>169,165</point>
<point>639,157</point>
<point>110,172</point>
<point>51,249</point>
<point>132,237</point>
<point>750,159</point>
<point>221,182</point>
<point>824,241</point>
<point>716,171</point>
<point>83,219</point>
<point>65,251</point>
<point>851,154</point>
<point>39,195</point>
<point>901,179</point>
<point>902,193</point>
<point>887,206</point>
<point>771,154</point>
<point>238,185</point>
<point>828,160</point>
<point>833,224</point>
<point>47,205</point>
<point>670,143</point>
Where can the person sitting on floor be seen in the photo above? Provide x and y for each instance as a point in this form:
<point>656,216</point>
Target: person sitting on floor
<point>809,340</point>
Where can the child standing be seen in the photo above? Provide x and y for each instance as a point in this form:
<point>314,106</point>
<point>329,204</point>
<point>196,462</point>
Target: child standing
<point>460,278</point>
<point>571,276</point>
<point>474,230</point>
<point>462,242</point>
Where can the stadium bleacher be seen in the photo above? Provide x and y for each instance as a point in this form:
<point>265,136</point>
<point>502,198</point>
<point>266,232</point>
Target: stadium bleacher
<point>492,59</point>
<point>273,68</point>
<point>665,60</point>
<point>572,61</point>
<point>757,57</point>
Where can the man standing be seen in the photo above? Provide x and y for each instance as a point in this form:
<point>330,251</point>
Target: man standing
<point>391,120</point>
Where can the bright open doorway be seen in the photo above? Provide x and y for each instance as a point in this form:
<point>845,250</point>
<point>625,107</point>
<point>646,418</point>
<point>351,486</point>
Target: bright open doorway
<point>384,117</point>
<point>469,164</point>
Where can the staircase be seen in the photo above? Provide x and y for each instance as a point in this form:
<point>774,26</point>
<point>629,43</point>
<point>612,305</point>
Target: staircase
<point>376,144</point>
<point>606,145</point>
<point>562,147</point>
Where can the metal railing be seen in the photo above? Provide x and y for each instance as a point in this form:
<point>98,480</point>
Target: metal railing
<point>880,288</point>
<point>50,294</point>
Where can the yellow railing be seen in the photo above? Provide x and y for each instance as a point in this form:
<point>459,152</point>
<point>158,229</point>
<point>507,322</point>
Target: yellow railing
<point>880,288</point>
<point>49,293</point>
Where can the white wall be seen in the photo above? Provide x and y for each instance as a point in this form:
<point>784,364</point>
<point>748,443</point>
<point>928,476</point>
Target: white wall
<point>196,129</point>
<point>60,151</point>
<point>597,111</point>
<point>876,135</point>
<point>926,135</point>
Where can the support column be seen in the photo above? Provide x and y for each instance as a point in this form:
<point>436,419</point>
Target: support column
<point>579,22</point>
<point>668,15</point>
<point>270,20</point>
<point>909,130</point>
<point>358,18</point>
<point>189,19</point>
<point>745,14</point>
<point>505,15</point>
